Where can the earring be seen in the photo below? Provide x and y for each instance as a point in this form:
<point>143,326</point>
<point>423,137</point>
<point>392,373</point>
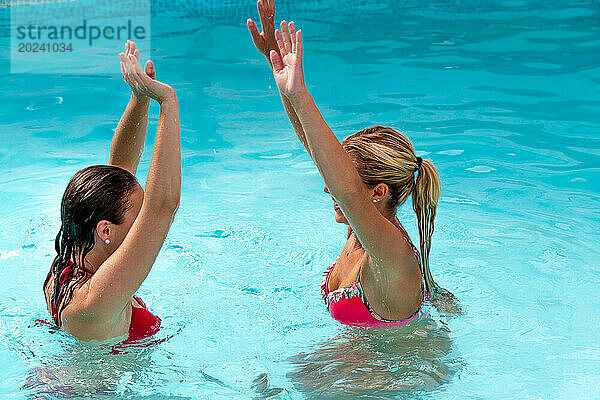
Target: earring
<point>107,241</point>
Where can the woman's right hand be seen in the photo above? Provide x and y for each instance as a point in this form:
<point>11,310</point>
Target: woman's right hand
<point>287,65</point>
<point>140,82</point>
<point>149,68</point>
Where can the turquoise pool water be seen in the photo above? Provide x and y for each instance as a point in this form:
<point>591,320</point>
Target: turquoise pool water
<point>503,96</point>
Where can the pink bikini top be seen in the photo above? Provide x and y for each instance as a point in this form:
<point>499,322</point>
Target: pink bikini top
<point>349,304</point>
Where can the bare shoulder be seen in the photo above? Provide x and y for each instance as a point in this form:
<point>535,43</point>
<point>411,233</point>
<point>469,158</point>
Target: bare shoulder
<point>70,308</point>
<point>394,291</point>
<point>75,310</point>
<point>78,321</point>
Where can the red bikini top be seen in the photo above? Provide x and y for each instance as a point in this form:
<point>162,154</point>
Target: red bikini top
<point>143,322</point>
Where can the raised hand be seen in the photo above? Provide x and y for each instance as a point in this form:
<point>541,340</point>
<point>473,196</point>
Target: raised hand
<point>264,41</point>
<point>287,64</point>
<point>141,81</point>
<point>149,68</point>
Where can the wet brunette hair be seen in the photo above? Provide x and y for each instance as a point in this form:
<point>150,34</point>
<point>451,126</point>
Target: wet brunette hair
<point>96,193</point>
<point>384,155</point>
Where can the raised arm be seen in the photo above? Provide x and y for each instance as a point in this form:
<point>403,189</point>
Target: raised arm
<point>117,279</point>
<point>265,42</point>
<point>376,233</point>
<point>128,141</point>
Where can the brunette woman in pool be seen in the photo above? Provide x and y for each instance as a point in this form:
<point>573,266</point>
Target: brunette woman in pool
<point>111,229</point>
<point>380,279</point>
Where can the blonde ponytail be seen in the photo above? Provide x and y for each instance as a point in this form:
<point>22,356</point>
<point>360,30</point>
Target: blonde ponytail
<point>383,155</point>
<point>425,197</point>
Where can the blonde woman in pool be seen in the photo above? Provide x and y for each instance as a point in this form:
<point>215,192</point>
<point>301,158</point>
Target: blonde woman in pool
<point>380,278</point>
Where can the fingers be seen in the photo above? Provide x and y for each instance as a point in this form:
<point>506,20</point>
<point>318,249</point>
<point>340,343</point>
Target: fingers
<point>257,38</point>
<point>252,27</point>
<point>293,36</point>
<point>142,78</point>
<point>138,78</point>
<point>266,11</point>
<point>276,61</point>
<point>124,64</point>
<point>136,67</point>
<point>126,70</point>
<point>253,30</point>
<point>149,69</point>
<point>299,45</point>
<point>286,37</point>
<point>288,40</point>
<point>271,7</point>
<point>264,19</point>
<point>280,43</point>
<point>132,71</point>
<point>130,48</point>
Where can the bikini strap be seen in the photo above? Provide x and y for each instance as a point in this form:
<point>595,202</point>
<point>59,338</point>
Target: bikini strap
<point>415,251</point>
<point>140,302</point>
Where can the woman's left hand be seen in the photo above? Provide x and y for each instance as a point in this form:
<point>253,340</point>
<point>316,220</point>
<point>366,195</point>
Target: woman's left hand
<point>287,67</point>
<point>264,41</point>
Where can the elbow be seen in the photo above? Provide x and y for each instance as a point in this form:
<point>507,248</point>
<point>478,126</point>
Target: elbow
<point>347,191</point>
<point>169,205</point>
<point>165,204</point>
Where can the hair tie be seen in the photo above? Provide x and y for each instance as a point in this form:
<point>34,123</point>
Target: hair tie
<point>419,162</point>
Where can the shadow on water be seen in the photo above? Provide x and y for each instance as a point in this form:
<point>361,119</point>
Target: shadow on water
<point>377,363</point>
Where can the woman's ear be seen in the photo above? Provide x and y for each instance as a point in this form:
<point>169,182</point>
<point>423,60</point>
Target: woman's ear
<point>103,230</point>
<point>379,192</point>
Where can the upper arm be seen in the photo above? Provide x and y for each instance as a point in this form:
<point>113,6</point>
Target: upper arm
<point>381,239</point>
<point>118,278</point>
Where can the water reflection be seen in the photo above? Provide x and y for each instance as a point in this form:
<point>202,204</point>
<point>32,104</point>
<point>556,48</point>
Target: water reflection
<point>377,363</point>
<point>100,371</point>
